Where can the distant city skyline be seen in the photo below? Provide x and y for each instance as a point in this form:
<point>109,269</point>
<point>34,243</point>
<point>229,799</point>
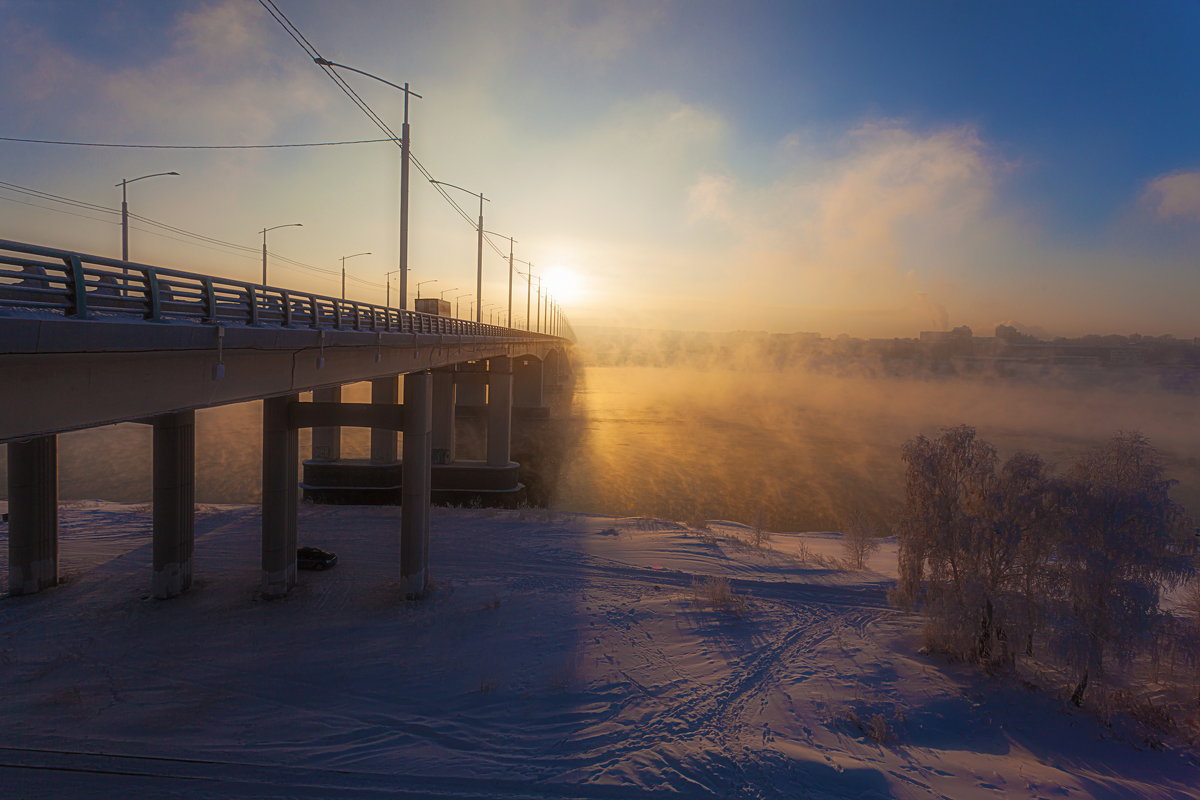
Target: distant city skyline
<point>867,168</point>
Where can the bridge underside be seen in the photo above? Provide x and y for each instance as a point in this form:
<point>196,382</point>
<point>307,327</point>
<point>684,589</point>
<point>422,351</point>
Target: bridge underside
<point>63,374</point>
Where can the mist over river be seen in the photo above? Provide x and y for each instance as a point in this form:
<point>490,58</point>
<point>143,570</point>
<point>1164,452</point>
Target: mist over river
<point>788,450</point>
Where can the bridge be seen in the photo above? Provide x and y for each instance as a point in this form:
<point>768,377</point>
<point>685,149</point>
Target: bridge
<point>87,341</point>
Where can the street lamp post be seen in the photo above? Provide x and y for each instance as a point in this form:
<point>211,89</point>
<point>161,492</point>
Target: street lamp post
<point>479,242</point>
<point>356,255</point>
<point>456,302</point>
<point>511,242</point>
<point>125,209</point>
<point>387,292</point>
<point>264,235</point>
<point>422,283</point>
<point>528,290</point>
<point>405,146</point>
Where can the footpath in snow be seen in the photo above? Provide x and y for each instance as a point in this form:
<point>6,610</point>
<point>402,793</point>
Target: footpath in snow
<point>558,656</point>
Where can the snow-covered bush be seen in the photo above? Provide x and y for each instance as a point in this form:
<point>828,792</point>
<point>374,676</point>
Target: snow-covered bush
<point>995,556</point>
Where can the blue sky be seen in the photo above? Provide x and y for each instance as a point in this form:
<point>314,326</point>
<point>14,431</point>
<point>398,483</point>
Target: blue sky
<point>859,167</point>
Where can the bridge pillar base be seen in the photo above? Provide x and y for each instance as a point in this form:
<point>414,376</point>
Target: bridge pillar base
<point>32,515</point>
<point>280,494</point>
<point>174,502</point>
<point>417,483</point>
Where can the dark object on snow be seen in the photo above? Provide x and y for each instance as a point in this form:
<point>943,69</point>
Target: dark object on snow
<point>315,558</point>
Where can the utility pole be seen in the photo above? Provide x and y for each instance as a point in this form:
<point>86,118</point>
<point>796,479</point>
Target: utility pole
<point>405,143</point>
<point>528,292</point>
<point>511,241</point>
<point>478,242</point>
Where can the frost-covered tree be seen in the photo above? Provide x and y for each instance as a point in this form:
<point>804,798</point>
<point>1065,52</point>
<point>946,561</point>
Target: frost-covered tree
<point>860,538</point>
<point>952,554</point>
<point>1118,546</point>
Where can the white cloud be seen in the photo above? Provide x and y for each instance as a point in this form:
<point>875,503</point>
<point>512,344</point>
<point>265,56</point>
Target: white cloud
<point>1175,196</point>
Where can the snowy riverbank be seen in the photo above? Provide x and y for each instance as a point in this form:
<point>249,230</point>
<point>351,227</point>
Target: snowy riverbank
<point>559,656</point>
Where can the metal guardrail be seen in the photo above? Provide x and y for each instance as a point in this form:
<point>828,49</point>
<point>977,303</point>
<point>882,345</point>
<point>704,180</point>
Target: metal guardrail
<point>83,286</point>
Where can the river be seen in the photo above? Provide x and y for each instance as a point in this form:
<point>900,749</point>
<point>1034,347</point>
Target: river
<point>789,451</point>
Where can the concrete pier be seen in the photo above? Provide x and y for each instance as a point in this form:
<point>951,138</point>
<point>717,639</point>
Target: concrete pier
<point>443,415</point>
<point>384,391</point>
<point>528,378</point>
<point>327,442</point>
<point>471,384</point>
<point>280,487</point>
<point>174,502</point>
<point>32,515</point>
<point>499,411</point>
<point>417,484</point>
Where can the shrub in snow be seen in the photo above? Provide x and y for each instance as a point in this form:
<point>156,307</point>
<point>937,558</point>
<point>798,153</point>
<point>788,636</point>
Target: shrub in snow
<point>716,592</point>
<point>860,539</point>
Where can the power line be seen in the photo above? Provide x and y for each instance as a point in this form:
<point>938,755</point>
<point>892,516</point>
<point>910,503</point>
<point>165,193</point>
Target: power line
<point>193,146</point>
<point>58,210</point>
<point>311,51</point>
<point>202,240</point>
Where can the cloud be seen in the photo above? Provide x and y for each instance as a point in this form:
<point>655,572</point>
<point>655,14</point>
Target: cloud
<point>1175,196</point>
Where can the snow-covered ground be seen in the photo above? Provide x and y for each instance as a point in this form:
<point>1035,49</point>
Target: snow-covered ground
<point>558,656</point>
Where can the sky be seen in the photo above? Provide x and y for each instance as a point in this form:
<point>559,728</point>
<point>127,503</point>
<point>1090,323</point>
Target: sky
<point>869,168</point>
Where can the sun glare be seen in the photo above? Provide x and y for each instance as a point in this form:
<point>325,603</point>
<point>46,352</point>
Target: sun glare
<point>565,284</point>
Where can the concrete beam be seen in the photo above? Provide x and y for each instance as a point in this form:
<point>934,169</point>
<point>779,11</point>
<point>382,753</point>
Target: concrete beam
<point>346,415</point>
<point>174,502</point>
<point>327,441</point>
<point>499,411</point>
<point>417,484</point>
<point>280,495</point>
<point>443,415</point>
<point>32,515</point>
<point>384,394</point>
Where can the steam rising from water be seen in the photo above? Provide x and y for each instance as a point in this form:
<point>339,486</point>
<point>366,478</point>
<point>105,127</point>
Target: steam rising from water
<point>797,450</point>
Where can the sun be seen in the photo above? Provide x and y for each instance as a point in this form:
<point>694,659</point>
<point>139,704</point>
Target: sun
<point>565,285</point>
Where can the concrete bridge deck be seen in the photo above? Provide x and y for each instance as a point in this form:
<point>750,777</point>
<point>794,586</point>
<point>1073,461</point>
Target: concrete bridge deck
<point>88,341</point>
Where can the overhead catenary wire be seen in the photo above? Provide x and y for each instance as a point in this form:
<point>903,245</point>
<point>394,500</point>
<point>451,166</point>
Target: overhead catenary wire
<point>311,51</point>
<point>198,239</point>
<point>193,146</point>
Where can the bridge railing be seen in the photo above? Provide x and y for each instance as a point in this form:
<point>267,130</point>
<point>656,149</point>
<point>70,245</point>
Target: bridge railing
<point>85,286</point>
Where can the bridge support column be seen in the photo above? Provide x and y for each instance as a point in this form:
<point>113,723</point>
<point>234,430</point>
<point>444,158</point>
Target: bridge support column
<point>327,442</point>
<point>174,502</point>
<point>528,382</point>
<point>32,515</point>
<point>499,411</point>
<point>443,416</point>
<point>383,442</point>
<point>281,445</point>
<point>417,484</point>
<point>471,380</point>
